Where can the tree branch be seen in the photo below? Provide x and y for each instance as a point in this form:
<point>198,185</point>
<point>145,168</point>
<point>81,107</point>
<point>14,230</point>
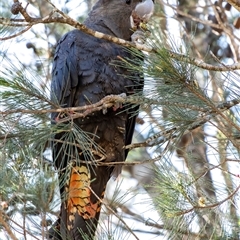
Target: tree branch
<point>235,3</point>
<point>6,226</point>
<point>204,116</point>
<point>103,104</point>
<point>114,213</point>
<point>65,19</point>
<point>209,206</point>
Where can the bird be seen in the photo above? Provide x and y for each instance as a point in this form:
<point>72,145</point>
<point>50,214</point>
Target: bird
<point>84,71</point>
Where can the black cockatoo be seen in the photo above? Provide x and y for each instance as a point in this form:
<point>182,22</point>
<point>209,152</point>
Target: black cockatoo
<point>84,71</point>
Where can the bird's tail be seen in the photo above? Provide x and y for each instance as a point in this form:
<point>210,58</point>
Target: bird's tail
<point>81,205</point>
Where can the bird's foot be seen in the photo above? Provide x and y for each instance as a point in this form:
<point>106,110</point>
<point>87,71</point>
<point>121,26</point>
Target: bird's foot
<point>62,115</point>
<point>116,106</point>
<point>104,110</point>
<point>139,36</point>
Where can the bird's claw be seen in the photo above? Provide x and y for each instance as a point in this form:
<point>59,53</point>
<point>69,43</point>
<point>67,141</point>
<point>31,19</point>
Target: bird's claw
<point>116,106</point>
<point>139,36</point>
<point>104,110</point>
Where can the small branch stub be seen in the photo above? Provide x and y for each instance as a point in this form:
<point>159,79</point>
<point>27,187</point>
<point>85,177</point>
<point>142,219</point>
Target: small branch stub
<point>16,7</point>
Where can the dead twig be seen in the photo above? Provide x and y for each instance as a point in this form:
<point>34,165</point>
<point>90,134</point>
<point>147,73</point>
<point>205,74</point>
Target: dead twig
<point>6,226</point>
<point>65,19</point>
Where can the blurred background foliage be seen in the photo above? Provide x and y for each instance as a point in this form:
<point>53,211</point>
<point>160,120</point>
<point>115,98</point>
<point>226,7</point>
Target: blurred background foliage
<point>183,182</point>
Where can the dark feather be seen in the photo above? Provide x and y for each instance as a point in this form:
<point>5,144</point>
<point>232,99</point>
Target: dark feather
<point>83,73</point>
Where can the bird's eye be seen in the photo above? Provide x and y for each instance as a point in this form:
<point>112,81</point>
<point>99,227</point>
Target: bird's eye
<point>128,2</point>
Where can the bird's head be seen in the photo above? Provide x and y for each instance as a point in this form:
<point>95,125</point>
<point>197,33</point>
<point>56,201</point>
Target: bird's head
<point>116,15</point>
